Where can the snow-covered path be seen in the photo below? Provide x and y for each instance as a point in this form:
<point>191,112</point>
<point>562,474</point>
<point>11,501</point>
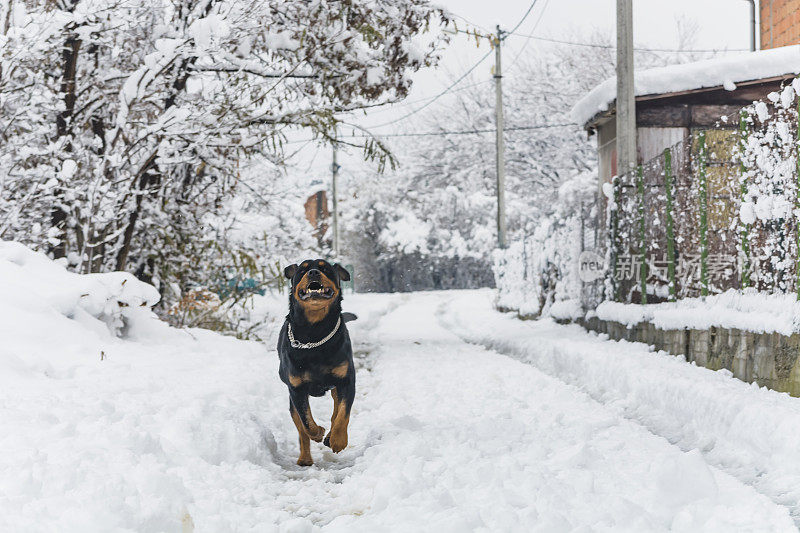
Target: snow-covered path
<point>446,435</point>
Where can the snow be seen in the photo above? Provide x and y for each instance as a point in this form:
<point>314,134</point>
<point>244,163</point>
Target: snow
<point>723,71</point>
<point>748,432</point>
<point>32,283</point>
<point>281,41</point>
<point>168,429</point>
<point>407,234</point>
<point>747,310</point>
<point>205,29</point>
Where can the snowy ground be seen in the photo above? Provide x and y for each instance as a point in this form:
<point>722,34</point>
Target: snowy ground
<point>562,431</point>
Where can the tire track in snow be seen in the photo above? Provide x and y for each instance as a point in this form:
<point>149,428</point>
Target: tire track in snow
<point>573,369</point>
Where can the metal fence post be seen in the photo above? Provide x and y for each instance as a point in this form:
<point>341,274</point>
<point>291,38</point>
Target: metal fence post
<point>668,185</point>
<point>797,200</point>
<point>642,234</point>
<point>745,274</point>
<point>613,237</point>
<point>703,215</point>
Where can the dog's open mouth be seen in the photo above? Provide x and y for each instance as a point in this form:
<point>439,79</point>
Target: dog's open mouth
<point>315,290</point>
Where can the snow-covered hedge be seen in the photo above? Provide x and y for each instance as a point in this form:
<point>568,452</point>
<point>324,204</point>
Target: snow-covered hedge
<point>31,282</point>
<point>767,212</point>
<point>538,275</point>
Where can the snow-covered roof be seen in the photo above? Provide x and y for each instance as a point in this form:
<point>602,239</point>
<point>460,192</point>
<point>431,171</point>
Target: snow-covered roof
<point>720,71</point>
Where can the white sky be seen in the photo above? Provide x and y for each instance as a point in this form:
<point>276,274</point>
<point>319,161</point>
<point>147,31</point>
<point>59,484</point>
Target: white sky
<point>722,24</point>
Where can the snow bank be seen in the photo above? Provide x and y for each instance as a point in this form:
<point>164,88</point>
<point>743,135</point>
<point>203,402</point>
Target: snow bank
<point>719,71</point>
<point>749,432</point>
<point>30,281</point>
<point>746,310</point>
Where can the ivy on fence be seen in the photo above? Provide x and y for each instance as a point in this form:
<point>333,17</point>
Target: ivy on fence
<point>668,186</point>
<point>716,211</point>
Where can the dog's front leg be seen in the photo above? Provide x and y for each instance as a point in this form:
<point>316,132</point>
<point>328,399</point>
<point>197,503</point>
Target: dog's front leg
<point>305,458</point>
<point>300,403</point>
<point>342,402</point>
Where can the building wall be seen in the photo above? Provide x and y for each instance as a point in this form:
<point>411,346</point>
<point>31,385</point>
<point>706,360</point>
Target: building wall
<point>653,141</point>
<point>607,150</point>
<point>780,23</point>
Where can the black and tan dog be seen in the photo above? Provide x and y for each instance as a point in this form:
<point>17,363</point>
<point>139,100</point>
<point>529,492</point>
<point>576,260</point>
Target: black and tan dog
<point>315,352</point>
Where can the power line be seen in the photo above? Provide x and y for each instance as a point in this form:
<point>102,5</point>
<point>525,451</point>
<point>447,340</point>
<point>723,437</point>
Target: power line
<point>446,132</point>
<point>432,100</point>
<point>470,132</point>
<point>392,107</point>
<point>528,12</point>
<point>607,46</point>
<point>611,46</point>
<point>469,22</point>
<point>528,40</point>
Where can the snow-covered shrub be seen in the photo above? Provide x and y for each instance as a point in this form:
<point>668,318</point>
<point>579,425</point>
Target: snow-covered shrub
<point>539,274</point>
<point>32,282</point>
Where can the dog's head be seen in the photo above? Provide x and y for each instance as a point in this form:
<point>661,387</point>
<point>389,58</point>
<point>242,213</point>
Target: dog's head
<point>316,287</point>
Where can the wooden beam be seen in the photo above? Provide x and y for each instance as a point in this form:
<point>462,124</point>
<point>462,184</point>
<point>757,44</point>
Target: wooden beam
<point>674,116</point>
<point>710,115</point>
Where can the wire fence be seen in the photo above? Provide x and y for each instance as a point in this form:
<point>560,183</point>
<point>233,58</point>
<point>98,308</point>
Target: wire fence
<point>716,211</point>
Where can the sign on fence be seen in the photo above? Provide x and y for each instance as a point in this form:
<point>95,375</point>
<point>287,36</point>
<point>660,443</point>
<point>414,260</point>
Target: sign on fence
<point>592,266</point>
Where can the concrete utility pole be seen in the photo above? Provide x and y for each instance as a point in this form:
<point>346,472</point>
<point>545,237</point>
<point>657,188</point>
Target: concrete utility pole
<point>335,201</point>
<point>626,101</point>
<point>499,144</point>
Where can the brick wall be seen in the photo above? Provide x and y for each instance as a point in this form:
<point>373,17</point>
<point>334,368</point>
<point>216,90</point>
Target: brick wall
<point>780,23</point>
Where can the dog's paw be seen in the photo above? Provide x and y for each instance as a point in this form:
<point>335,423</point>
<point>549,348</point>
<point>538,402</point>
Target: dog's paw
<point>336,441</point>
<point>327,441</point>
<point>305,461</point>
<point>316,437</point>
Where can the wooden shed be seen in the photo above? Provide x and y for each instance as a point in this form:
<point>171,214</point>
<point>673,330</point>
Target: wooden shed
<point>673,101</point>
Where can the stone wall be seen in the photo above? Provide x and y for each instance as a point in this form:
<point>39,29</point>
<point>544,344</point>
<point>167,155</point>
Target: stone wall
<point>768,359</point>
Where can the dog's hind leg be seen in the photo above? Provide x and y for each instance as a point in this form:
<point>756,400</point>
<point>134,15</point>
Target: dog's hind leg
<point>305,444</point>
<point>300,403</point>
<point>342,402</point>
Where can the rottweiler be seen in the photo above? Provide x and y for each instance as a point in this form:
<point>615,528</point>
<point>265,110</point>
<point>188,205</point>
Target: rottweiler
<point>315,352</point>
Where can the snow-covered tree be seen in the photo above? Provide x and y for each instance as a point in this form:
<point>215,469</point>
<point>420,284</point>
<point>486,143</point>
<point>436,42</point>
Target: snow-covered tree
<point>124,127</point>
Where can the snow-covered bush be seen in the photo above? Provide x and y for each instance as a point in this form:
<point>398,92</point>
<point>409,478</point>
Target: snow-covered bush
<point>538,274</point>
<point>31,282</point>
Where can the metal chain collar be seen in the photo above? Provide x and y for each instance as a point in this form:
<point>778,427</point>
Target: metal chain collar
<point>308,345</point>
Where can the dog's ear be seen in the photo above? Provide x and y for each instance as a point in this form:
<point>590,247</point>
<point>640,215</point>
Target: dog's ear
<point>344,275</point>
<point>290,271</point>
